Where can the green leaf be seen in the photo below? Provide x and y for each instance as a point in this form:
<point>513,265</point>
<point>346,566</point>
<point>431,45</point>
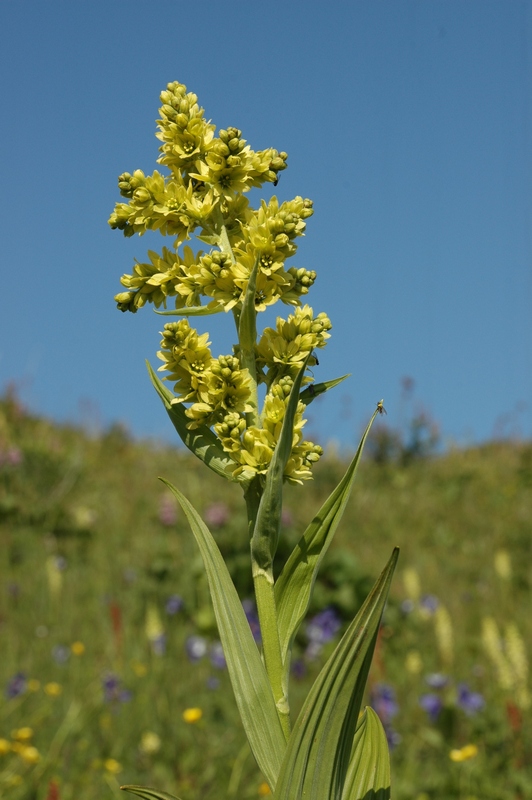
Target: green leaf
<point>192,311</point>
<point>209,238</point>
<point>250,682</point>
<point>315,389</point>
<point>266,530</point>
<point>201,441</point>
<point>368,776</point>
<point>148,794</point>
<point>317,758</point>
<point>293,587</point>
<point>247,337</point>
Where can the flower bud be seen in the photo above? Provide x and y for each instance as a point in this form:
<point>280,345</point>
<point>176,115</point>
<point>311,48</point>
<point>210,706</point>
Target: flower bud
<point>125,301</point>
<point>281,240</point>
<point>141,195</point>
<point>277,164</point>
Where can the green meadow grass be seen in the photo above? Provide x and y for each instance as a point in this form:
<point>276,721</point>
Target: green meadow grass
<point>94,651</point>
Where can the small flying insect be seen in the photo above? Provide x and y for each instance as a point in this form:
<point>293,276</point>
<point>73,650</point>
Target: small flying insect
<point>380,407</point>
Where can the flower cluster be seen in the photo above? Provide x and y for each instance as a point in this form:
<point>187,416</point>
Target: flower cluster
<point>206,171</point>
<point>266,235</point>
<point>205,194</point>
<point>21,745</point>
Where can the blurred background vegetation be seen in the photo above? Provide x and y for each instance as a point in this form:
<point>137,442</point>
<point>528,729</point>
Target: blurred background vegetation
<point>111,671</point>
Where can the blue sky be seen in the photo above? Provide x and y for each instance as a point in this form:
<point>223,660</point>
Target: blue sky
<point>407,122</point>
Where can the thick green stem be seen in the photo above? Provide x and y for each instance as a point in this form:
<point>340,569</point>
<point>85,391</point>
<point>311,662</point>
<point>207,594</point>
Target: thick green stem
<point>267,611</point>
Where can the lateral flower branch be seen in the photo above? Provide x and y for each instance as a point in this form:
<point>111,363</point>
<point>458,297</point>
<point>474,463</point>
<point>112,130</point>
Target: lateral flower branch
<point>216,410</point>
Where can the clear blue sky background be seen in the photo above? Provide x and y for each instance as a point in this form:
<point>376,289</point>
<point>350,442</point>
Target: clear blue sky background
<point>408,122</point>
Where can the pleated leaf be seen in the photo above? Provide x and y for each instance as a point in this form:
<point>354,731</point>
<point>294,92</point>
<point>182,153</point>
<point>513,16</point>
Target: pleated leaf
<point>192,311</point>
<point>201,441</point>
<point>368,775</point>
<point>293,587</point>
<point>317,758</point>
<point>315,389</point>
<point>148,794</point>
<point>266,531</point>
<point>250,682</point>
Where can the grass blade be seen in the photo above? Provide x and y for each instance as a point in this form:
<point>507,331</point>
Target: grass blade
<point>250,682</point>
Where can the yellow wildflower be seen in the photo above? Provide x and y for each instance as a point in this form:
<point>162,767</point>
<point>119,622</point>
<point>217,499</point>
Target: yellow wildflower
<point>112,765</point>
<point>503,565</point>
<point>150,742</point>
<point>5,747</point>
<point>34,685</point>
<point>444,634</point>
<point>192,715</point>
<point>413,662</point>
<point>30,755</point>
<point>264,790</point>
<point>139,669</point>
<point>412,584</point>
<point>78,648</point>
<point>53,689</point>
<point>153,625</point>
<point>22,734</point>
<point>464,753</point>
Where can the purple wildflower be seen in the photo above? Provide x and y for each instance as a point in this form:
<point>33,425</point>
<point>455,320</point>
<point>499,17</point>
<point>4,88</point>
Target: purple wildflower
<point>384,702</point>
<point>324,626</point>
<point>196,647</point>
<point>60,563</point>
<point>436,680</point>
<point>250,611</point>
<point>432,704</point>
<point>212,683</point>
<point>429,603</point>
<point>113,691</point>
<point>407,606</point>
<point>174,604</point>
<point>216,655</point>
<point>16,686</point>
<point>111,687</point>
<point>216,515</point>
<point>470,702</point>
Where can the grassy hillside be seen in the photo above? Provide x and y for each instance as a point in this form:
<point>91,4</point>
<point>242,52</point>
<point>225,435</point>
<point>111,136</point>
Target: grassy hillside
<point>111,670</point>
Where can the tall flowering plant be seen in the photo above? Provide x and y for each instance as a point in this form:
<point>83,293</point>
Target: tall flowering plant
<point>242,414</point>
